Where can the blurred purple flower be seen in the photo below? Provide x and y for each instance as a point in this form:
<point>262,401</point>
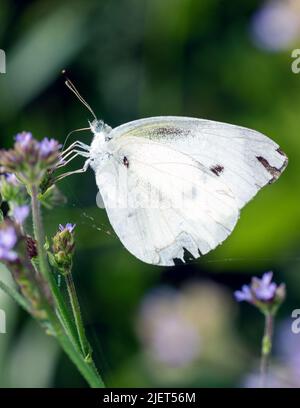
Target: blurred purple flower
<point>288,348</point>
<point>68,227</point>
<point>169,336</point>
<point>21,213</point>
<point>174,341</point>
<point>264,289</point>
<point>244,294</point>
<point>260,290</point>
<point>11,179</point>
<point>48,146</point>
<point>8,239</point>
<point>24,139</point>
<point>277,24</point>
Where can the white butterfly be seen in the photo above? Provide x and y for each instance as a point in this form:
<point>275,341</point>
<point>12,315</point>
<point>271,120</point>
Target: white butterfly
<point>174,186</point>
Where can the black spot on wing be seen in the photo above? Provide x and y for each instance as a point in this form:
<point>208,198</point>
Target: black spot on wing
<point>217,169</point>
<point>125,161</point>
<point>170,130</point>
<point>274,171</point>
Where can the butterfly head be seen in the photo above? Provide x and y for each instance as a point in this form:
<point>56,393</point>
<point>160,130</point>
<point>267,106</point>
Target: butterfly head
<point>99,145</point>
<point>99,128</point>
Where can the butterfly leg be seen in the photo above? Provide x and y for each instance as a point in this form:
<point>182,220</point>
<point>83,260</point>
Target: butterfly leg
<point>74,153</point>
<point>78,144</point>
<point>70,173</point>
<point>71,155</point>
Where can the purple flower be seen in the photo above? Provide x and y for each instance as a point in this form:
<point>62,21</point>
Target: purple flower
<point>30,159</point>
<point>244,294</point>
<point>167,328</point>
<point>264,289</point>
<point>261,291</point>
<point>21,213</point>
<point>8,239</point>
<point>11,179</point>
<point>24,139</point>
<point>68,227</point>
<point>48,146</point>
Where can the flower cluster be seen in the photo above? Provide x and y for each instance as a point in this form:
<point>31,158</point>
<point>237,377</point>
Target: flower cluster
<point>63,248</point>
<point>263,293</point>
<point>30,159</point>
<point>27,182</point>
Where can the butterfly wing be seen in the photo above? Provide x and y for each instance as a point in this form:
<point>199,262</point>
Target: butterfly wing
<point>245,160</point>
<point>176,184</point>
<point>162,202</point>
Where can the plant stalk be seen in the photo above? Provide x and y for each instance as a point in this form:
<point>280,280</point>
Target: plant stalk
<point>44,268</point>
<point>85,347</point>
<point>68,342</point>
<point>266,349</point>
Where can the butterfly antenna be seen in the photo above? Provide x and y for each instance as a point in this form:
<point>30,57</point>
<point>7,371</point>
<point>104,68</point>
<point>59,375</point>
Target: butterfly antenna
<point>73,88</point>
<point>73,131</point>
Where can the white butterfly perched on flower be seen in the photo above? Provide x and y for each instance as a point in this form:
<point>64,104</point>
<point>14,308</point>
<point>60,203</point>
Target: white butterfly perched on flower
<point>174,186</point>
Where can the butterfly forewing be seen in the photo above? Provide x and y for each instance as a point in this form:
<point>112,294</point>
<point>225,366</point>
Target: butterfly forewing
<point>244,159</point>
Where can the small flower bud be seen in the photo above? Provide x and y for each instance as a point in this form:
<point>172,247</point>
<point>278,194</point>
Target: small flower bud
<point>63,248</point>
<point>31,247</point>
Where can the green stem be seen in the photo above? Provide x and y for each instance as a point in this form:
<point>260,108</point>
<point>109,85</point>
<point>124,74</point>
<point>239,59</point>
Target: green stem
<point>266,349</point>
<point>44,267</point>
<point>39,233</point>
<point>68,343</point>
<point>88,371</point>
<point>85,347</point>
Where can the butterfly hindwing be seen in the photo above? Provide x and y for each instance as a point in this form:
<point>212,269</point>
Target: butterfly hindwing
<point>162,202</point>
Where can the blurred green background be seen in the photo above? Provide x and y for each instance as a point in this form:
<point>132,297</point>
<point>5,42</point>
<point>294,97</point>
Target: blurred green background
<point>225,61</point>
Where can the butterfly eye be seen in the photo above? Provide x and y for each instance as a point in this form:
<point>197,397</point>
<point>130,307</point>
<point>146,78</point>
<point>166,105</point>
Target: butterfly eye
<point>97,126</point>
